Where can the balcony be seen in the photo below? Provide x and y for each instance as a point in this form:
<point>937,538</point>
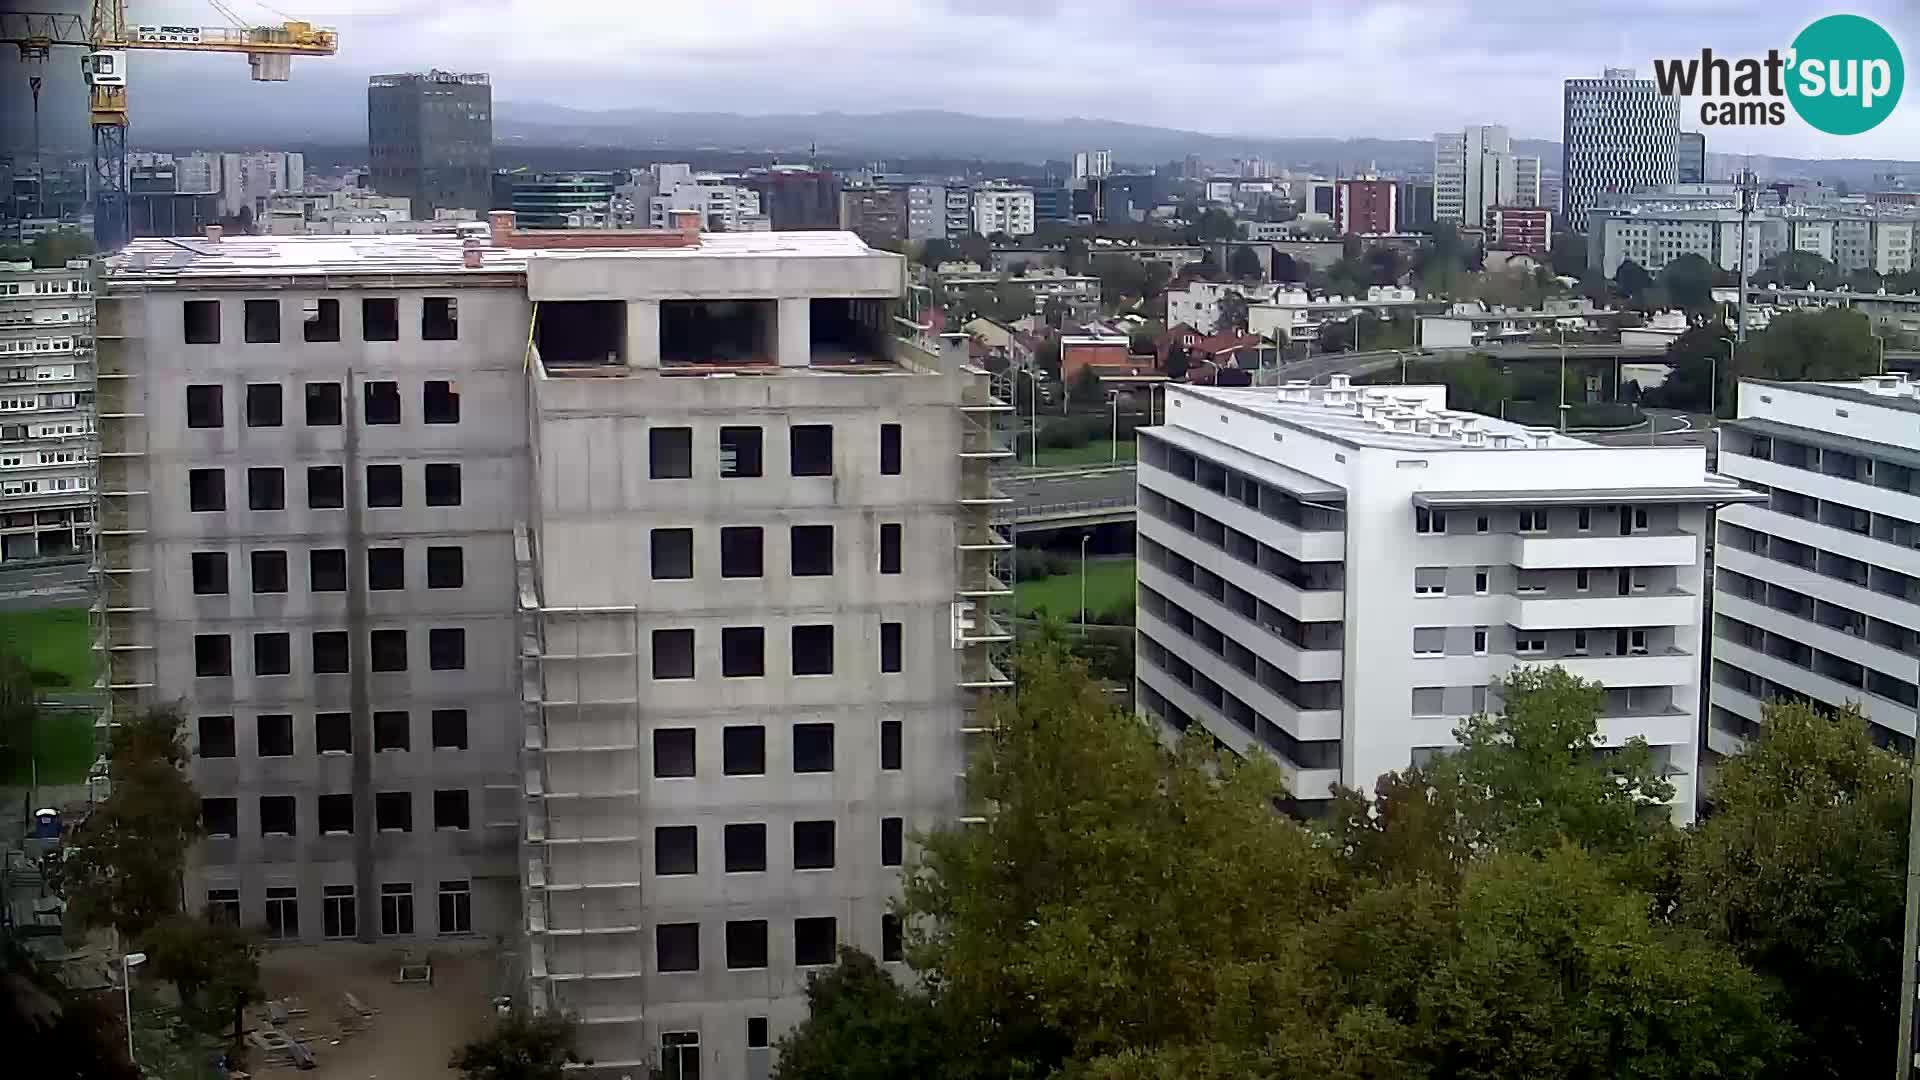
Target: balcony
<point>1306,605</point>
<point>1604,611</point>
<point>1305,545</point>
<point>1307,665</point>
<point>1304,783</point>
<point>1543,552</point>
<point>1869,497</point>
<point>1885,712</point>
<point>1668,668</point>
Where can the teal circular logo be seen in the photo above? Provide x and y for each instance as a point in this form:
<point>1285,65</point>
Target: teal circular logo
<point>1845,74</point>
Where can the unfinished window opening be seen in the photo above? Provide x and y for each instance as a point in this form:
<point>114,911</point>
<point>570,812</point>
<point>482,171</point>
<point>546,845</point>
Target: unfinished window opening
<point>845,331</point>
<point>812,748</point>
<point>216,736</point>
<point>220,817</point>
<point>383,485</point>
<point>449,729</point>
<point>211,656</point>
<point>447,649</point>
<point>202,321</point>
<point>670,453</point>
<point>263,321</point>
<point>207,490</point>
<point>276,815</point>
<point>741,552</point>
<point>446,567</point>
<point>743,750</point>
<point>581,332</point>
<point>323,404</point>
<point>892,948</point>
<point>739,452</point>
<point>320,320</point>
<point>273,735</point>
<point>209,573</point>
<point>746,847</point>
<point>889,744</point>
<point>382,402</point>
<point>391,730</point>
<point>815,941</point>
<point>743,651</point>
<point>443,484</point>
<point>330,646</point>
<point>673,654</point>
<point>812,550</point>
<point>890,547</point>
<point>811,448</point>
<point>746,944</point>
<point>272,653</point>
<point>439,402</point>
<point>388,649</point>
<point>726,332</point>
<point>266,489</point>
<point>813,845</point>
<point>679,950</point>
<point>890,449</point>
<point>892,841</point>
<point>380,319</point>
<point>204,406</point>
<point>333,733</point>
<point>439,319</point>
<point>673,752</point>
<point>890,647</point>
<point>393,811</point>
<point>263,404</point>
<point>450,809</point>
<point>386,568</point>
<point>813,649</point>
<point>672,554</point>
<point>676,850</point>
<point>336,815</point>
<point>327,570</point>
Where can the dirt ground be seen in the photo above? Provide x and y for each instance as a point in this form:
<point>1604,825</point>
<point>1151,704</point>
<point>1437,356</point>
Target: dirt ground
<point>415,1027</point>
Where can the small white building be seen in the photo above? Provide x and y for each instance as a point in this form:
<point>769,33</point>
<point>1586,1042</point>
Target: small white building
<point>1198,305</point>
<point>1002,209</point>
<point>1294,314</point>
<point>1469,324</point>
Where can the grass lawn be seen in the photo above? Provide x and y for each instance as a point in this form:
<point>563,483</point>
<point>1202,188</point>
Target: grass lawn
<point>1109,585</point>
<point>55,639</point>
<point>1098,452</point>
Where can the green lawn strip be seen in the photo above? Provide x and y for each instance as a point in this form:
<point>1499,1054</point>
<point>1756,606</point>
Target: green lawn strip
<point>52,639</point>
<point>1109,585</point>
<point>1098,452</point>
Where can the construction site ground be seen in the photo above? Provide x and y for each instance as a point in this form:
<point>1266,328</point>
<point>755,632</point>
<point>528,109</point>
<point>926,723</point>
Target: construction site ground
<point>409,1030</point>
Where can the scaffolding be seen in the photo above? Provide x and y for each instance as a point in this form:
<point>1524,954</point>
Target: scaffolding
<point>118,617</point>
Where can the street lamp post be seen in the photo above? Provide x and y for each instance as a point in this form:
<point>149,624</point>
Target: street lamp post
<point>1713,392</point>
<point>1563,378</point>
<point>127,964</point>
<point>1113,441</point>
<point>1084,537</point>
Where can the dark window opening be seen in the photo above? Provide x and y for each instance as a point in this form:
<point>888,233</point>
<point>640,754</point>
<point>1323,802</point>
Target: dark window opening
<point>330,646</point>
<point>327,570</point>
<point>336,815</point>
<point>216,736</point>
<point>812,550</point>
<point>283,909</point>
<point>844,331</point>
<point>273,735</point>
<point>810,447</point>
<point>757,1038</point>
<point>439,402</point>
<point>323,404</point>
<point>581,332</point>
<point>333,733</point>
<point>262,318</point>
<point>676,850</point>
<point>672,554</point>
<point>447,649</point>
<point>743,750</point>
<point>393,811</point>
<point>391,730</point>
<point>746,846</point>
<point>382,402</point>
<point>383,485</point>
<point>263,405</point>
<point>276,815</point>
<point>743,651</point>
<point>673,654</point>
<point>890,547</point>
<point>450,809</point>
<point>388,650</point>
<point>813,845</point>
<point>673,754</point>
<point>891,948</point>
<point>209,573</point>
<point>380,319</point>
<point>890,647</point>
<point>446,567</point>
<point>892,841</point>
<point>339,911</point>
<point>220,817</point>
<point>269,571</point>
<point>206,406</point>
<point>739,452</point>
<point>207,490</point>
<point>813,649</point>
<point>386,568</point>
<point>890,449</point>
<point>449,729</point>
<point>326,487</point>
<point>747,944</point>
<point>679,950</point>
<point>889,744</point>
<point>670,453</point>
<point>814,941</point>
<point>396,909</point>
<point>812,748</point>
<point>266,489</point>
<point>272,654</point>
<point>443,484</point>
<point>439,319</point>
<point>321,320</point>
<point>741,552</point>
<point>212,656</point>
<point>724,332</point>
<point>202,321</point>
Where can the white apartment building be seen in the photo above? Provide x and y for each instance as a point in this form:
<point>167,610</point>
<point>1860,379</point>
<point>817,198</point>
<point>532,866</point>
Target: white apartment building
<point>251,180</point>
<point>1198,305</point>
<point>1003,210</point>
<point>926,212</point>
<point>1619,134</point>
<point>1092,163</point>
<point>624,598</point>
<point>1475,169</point>
<point>1653,238</point>
<point>723,205</point>
<point>1817,585</point>
<point>47,447</point>
<point>1294,314</point>
<point>1336,575</point>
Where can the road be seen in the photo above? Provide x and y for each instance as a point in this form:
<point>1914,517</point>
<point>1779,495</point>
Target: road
<point>45,585</point>
<point>1060,487</point>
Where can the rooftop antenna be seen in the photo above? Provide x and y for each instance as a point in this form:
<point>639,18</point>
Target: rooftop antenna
<point>1747,191</point>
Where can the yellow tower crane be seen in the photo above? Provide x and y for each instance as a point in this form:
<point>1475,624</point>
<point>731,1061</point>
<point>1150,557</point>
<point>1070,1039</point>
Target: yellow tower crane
<point>108,40</point>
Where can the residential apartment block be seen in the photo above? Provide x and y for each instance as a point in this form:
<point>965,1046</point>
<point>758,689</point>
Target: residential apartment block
<point>621,595</point>
<point>46,410</point>
<point>1336,576</point>
<point>1475,169</point>
<point>998,209</point>
<point>1817,585</point>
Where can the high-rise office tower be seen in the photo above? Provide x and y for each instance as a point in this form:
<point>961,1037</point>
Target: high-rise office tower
<point>430,138</point>
<point>1620,135</point>
<point>1477,169</point>
<point>1692,165</point>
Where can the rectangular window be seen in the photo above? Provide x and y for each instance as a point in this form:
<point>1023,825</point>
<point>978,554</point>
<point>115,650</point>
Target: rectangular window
<point>679,1055</point>
<point>277,815</point>
<point>223,906</point>
<point>206,490</point>
<point>672,554</point>
<point>1429,521</point>
<point>673,654</point>
<point>327,570</point>
<point>812,550</point>
<point>380,319</point>
<point>813,649</point>
<point>204,406</point>
<point>339,914</point>
<point>388,649</point>
<point>333,733</point>
<point>747,944</point>
<point>382,405</point>
<point>1636,643</point>
<point>439,319</point>
<point>741,552</point>
<point>676,850</point>
<point>1581,580</point>
<point>670,453</point>
<point>739,452</point>
<point>330,651</point>
<point>1428,701</point>
<point>393,811</point>
<point>220,817</point>
<point>678,949</point>
<point>336,815</point>
<point>391,730</point>
<point>743,750</point>
<point>283,913</point>
<point>1579,643</point>
<point>1429,640</point>
<point>202,321</point>
<point>1585,523</point>
<point>1481,523</point>
<point>1533,521</point>
<point>272,654</point>
<point>1639,519</point>
<point>212,656</point>
<point>892,949</point>
<point>892,841</point>
<point>269,571</point>
<point>890,647</point>
<point>266,489</point>
<point>812,748</point>
<point>321,320</point>
<point>209,573</point>
<point>216,736</point>
<point>743,652</point>
<point>890,449</point>
<point>449,729</point>
<point>814,941</point>
<point>756,1031</point>
<point>810,447</point>
<point>443,484</point>
<point>396,909</point>
<point>746,846</point>
<point>1429,581</point>
<point>1479,641</point>
<point>323,404</point>
<point>263,405</point>
<point>447,649</point>
<point>439,402</point>
<point>813,845</point>
<point>456,907</point>
<point>1528,645</point>
<point>1481,577</point>
<point>384,486</point>
<point>673,752</point>
<point>446,567</point>
<point>273,735</point>
<point>262,322</point>
<point>450,809</point>
<point>890,547</point>
<point>386,569</point>
<point>890,744</point>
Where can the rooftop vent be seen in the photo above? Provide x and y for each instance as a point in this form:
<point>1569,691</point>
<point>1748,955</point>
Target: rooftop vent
<point>1890,385</point>
<point>1474,438</point>
<point>1339,382</point>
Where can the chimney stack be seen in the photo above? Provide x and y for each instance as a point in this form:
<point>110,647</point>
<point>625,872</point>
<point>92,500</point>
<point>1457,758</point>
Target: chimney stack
<point>214,232</point>
<point>687,224</point>
<point>470,253</point>
<point>500,223</point>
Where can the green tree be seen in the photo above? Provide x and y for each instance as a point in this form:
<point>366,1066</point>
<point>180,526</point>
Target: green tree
<point>1075,255</point>
<point>1233,313</point>
<point>213,965</point>
<point>1568,255</point>
<point>1688,281</point>
<point>1284,267</point>
<point>1176,363</point>
<point>54,249</point>
<point>122,866</point>
<point>1121,277</point>
<point>1697,357</point>
<point>1818,344</point>
<point>1334,336</point>
<point>1012,301</point>
<point>1801,869</point>
<point>523,1045</point>
<point>863,1025</point>
<point>975,249</point>
<point>1056,312</point>
<point>1085,388</point>
<point>1244,264</point>
<point>54,1032</point>
<point>19,712</point>
<point>934,252</point>
<point>1798,269</point>
<point>1631,279</point>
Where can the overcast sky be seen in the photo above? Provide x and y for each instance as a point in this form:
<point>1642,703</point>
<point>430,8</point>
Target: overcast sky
<point>1251,67</point>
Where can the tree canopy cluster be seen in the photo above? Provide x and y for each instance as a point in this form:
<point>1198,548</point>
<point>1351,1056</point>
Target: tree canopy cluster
<point>1826,343</point>
<point>1518,908</point>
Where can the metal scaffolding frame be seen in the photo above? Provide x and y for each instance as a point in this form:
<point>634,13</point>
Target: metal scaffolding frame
<point>120,633</point>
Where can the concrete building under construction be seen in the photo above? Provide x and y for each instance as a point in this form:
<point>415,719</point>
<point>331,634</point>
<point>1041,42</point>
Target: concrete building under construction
<point>626,595</point>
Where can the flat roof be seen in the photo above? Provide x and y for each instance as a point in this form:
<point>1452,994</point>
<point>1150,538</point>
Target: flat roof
<point>1712,490</point>
<point>1855,391</point>
<point>1294,482</point>
<point>1322,417</point>
<point>1773,429</point>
